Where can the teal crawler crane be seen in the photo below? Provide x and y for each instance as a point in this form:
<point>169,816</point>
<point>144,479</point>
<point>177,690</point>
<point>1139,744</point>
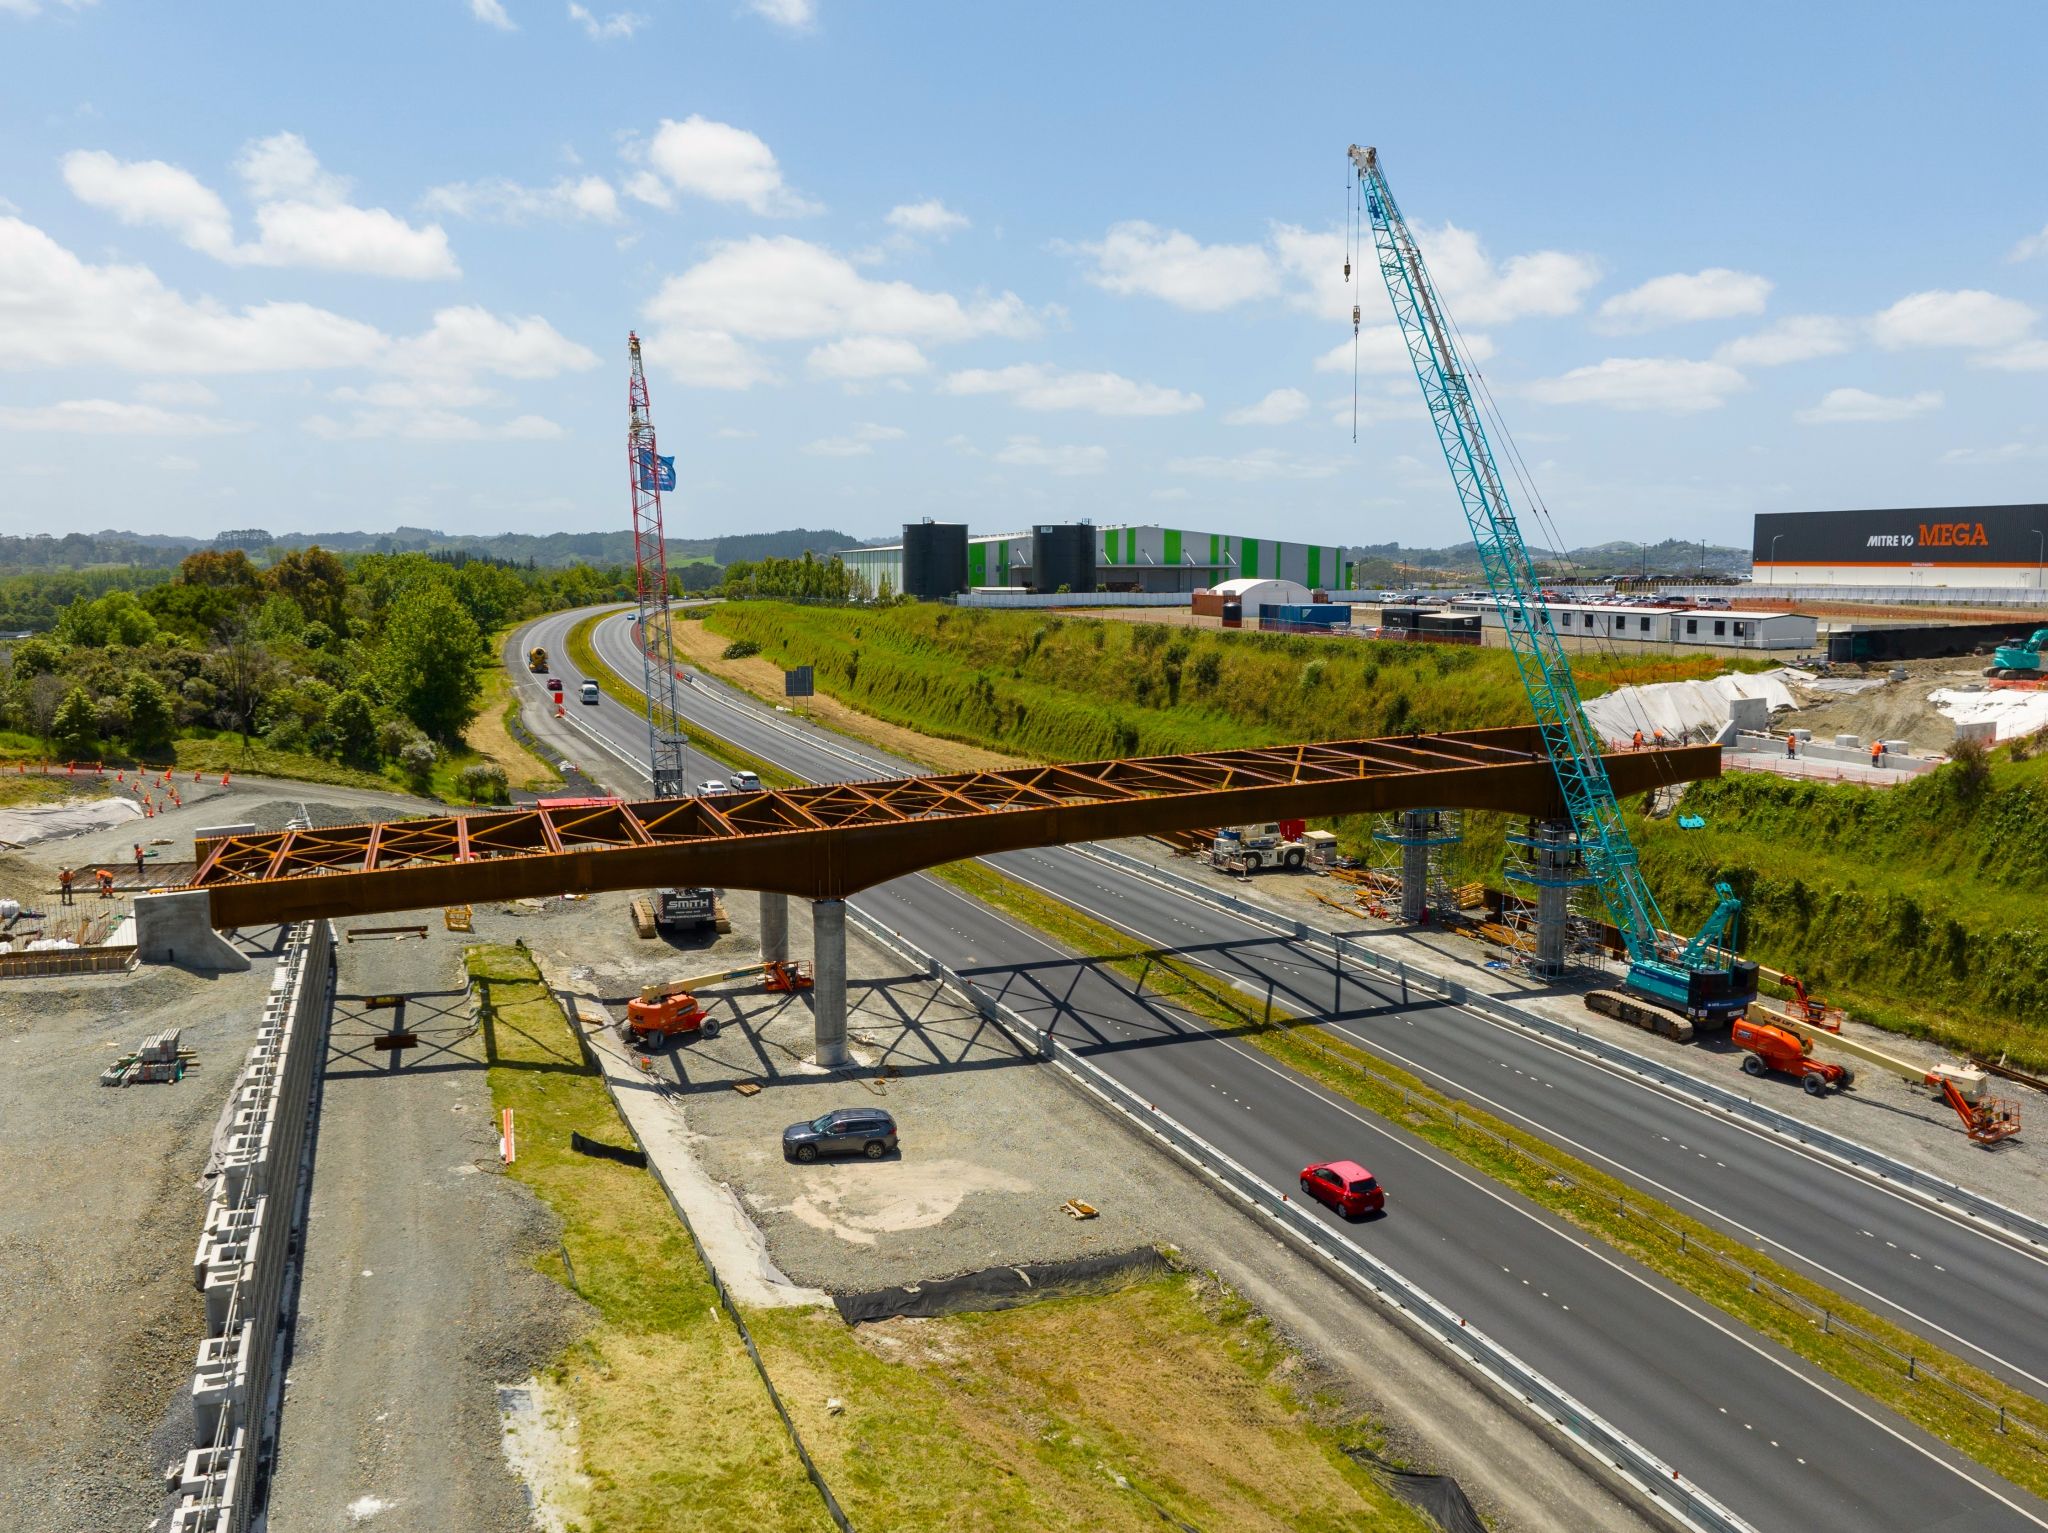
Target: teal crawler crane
<point>1703,979</point>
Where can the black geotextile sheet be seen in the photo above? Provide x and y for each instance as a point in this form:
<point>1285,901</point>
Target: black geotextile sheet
<point>999,1287</point>
<point>1437,1494</point>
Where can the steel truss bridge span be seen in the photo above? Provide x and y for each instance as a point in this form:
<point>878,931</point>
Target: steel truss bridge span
<point>829,841</point>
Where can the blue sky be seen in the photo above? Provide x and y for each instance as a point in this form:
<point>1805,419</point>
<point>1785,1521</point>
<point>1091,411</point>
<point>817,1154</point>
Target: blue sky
<point>335,267</point>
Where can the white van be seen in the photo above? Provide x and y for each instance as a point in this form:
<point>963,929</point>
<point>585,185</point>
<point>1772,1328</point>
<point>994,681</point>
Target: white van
<point>590,691</point>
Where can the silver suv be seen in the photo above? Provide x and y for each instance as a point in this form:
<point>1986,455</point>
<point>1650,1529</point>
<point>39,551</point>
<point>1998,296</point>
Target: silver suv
<point>847,1131</point>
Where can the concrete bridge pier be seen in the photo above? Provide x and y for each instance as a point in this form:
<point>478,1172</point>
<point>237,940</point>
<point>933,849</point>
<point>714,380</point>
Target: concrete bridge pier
<point>774,927</point>
<point>178,928</point>
<point>1557,869</point>
<point>828,991</point>
<point>1414,828</point>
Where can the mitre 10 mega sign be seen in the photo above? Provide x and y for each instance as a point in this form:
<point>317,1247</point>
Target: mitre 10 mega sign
<point>1984,536</point>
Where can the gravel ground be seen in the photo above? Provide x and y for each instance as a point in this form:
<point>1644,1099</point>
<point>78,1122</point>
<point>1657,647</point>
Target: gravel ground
<point>993,1144</point>
<point>1883,1111</point>
<point>101,1322</point>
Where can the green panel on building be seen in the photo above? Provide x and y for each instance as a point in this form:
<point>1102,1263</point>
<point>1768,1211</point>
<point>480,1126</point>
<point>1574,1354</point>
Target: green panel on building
<point>1172,554</point>
<point>1003,562</point>
<point>1130,545</point>
<point>1109,547</point>
<point>977,564</point>
<point>1315,566</point>
<point>1248,564</point>
<point>1215,551</point>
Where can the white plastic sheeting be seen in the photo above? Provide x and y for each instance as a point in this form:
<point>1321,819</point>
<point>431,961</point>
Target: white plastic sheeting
<point>1686,707</point>
<point>24,827</point>
<point>2012,712</point>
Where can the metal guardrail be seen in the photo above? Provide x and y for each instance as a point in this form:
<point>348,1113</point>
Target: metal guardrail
<point>1926,1184</point>
<point>1649,1475</point>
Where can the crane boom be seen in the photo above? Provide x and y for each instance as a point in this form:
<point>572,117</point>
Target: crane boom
<point>1695,985</point>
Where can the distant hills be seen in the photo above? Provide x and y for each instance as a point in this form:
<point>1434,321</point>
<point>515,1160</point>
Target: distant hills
<point>1388,563</point>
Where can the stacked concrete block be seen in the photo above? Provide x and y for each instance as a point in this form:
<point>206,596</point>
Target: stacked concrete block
<point>239,1264</point>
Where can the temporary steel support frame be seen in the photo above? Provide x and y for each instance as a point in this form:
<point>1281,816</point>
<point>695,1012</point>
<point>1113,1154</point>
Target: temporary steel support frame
<point>830,841</point>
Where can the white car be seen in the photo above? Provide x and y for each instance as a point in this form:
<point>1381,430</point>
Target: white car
<point>715,785</point>
<point>746,782</point>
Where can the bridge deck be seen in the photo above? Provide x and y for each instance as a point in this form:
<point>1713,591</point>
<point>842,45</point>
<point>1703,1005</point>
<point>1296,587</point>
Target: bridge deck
<point>835,839</point>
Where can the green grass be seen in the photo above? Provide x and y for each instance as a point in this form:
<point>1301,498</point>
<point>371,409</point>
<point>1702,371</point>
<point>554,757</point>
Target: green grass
<point>1567,1186</point>
<point>1008,1420</point>
<point>228,753</point>
<point>585,657</point>
<point>677,1432</point>
<point>1917,907</point>
<point>1062,688</point>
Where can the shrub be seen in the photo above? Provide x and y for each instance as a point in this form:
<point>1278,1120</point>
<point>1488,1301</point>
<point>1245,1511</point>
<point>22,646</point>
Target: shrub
<point>741,649</point>
<point>483,782</point>
<point>417,756</point>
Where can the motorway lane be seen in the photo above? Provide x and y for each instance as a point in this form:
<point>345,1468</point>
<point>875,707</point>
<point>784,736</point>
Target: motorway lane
<point>1752,1424</point>
<point>1923,1268</point>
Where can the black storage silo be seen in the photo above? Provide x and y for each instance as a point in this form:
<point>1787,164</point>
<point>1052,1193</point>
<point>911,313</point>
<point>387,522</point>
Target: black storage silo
<point>1063,557</point>
<point>934,559</point>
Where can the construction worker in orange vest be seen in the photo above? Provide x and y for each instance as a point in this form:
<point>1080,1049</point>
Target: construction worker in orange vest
<point>1877,753</point>
<point>64,884</point>
<point>105,876</point>
<point>1791,746</point>
<point>138,862</point>
<point>1638,745</point>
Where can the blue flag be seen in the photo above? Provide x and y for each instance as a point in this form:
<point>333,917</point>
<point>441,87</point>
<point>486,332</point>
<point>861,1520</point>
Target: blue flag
<point>652,478</point>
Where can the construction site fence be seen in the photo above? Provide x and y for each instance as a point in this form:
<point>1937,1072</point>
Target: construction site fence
<point>2008,1221</point>
<point>725,1299</point>
<point>1524,1387</point>
<point>242,1266</point>
<point>57,962</point>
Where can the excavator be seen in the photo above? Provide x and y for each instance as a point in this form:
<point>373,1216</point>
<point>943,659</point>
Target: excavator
<point>664,1012</point>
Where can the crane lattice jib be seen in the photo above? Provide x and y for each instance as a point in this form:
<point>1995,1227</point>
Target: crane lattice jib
<point>650,567</point>
<point>1546,673</point>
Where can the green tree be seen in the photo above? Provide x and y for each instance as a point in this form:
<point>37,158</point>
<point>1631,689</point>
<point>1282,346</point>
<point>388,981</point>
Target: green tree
<point>74,731</point>
<point>427,660</point>
<point>315,580</point>
<point>355,731</point>
<point>115,619</point>
<point>149,713</point>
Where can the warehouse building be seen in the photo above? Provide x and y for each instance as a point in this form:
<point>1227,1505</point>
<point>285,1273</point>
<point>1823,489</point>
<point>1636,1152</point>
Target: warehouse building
<point>1078,556</point>
<point>1931,548</point>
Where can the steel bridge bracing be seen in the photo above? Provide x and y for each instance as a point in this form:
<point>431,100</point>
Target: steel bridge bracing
<point>833,840</point>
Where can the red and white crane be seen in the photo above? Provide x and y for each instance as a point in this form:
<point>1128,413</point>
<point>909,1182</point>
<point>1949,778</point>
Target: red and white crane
<point>648,474</point>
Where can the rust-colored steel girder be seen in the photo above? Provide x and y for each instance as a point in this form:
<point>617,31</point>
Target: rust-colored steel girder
<point>833,840</point>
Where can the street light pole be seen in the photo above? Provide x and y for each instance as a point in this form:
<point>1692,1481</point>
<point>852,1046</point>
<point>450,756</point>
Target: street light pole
<point>1774,557</point>
<point>2041,560</point>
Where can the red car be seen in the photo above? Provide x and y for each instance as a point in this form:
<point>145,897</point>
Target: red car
<point>1346,1186</point>
<point>554,683</point>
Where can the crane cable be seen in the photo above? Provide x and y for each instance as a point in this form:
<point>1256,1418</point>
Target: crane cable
<point>1352,212</point>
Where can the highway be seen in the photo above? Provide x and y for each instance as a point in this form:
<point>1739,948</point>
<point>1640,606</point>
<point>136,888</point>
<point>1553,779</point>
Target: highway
<point>1751,1424</point>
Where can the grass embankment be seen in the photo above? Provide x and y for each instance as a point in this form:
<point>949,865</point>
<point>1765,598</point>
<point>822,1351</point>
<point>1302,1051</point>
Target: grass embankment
<point>1024,1418</point>
<point>583,654</point>
<point>1688,1253</point>
<point>676,1429</point>
<point>1917,907</point>
<point>1057,688</point>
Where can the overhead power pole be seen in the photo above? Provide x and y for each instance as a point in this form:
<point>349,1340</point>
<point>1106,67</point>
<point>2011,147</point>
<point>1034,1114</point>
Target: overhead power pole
<point>648,473</point>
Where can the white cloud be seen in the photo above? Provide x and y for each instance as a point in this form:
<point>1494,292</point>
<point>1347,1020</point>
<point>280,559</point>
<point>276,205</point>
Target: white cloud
<point>177,463</point>
<point>930,218</point>
<point>1266,463</point>
<point>59,311</point>
<point>1668,384</point>
<point>645,186</point>
<point>303,217</point>
<point>492,13</point>
<point>431,426</point>
<point>1140,258</point>
<point>1839,406</point>
<point>1476,289</point>
<point>1681,298</point>
<point>2027,357</point>
<point>1038,387</point>
<point>709,359</point>
<point>469,339</point>
<point>501,201</point>
<point>2033,245</point>
<point>1796,338</point>
<point>429,393</point>
<point>795,15</point>
<point>1276,409</point>
<point>1970,317</point>
<point>786,289</point>
<point>177,391</point>
<point>113,417</point>
<point>1381,349</point>
<point>368,241</point>
<point>26,8</point>
<point>866,356</point>
<point>618,24</point>
<point>281,168</point>
<point>717,161</point>
<point>151,192</point>
<point>2005,452</point>
<point>856,444</point>
<point>1066,461</point>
